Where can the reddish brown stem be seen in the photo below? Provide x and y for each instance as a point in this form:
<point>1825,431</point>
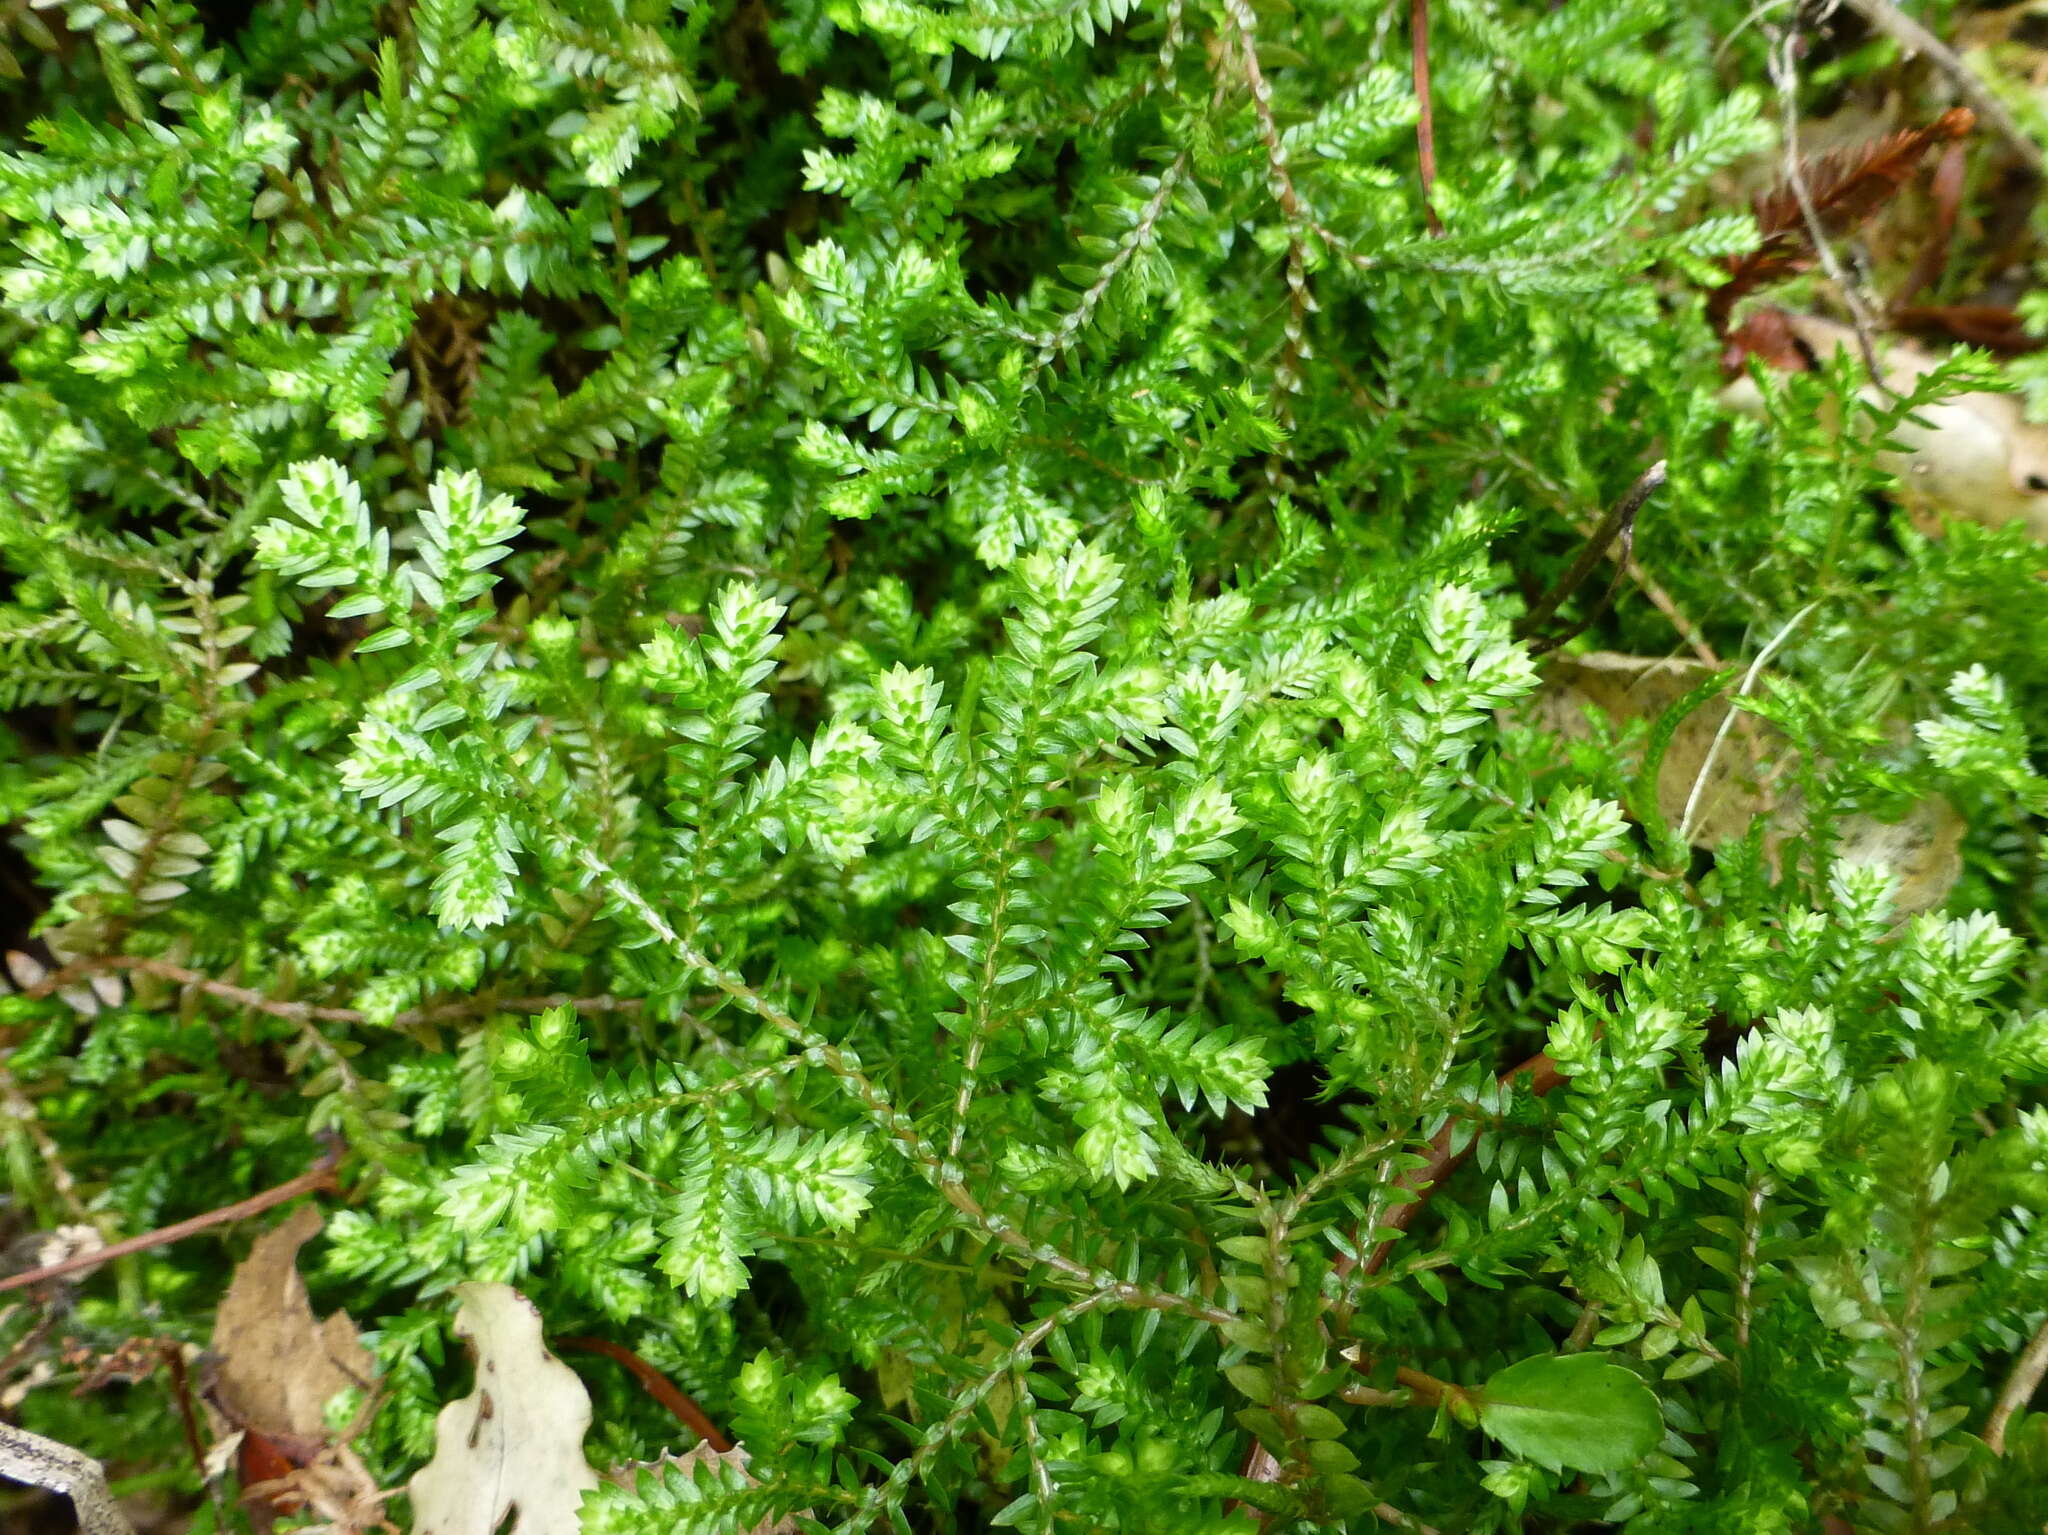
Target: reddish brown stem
<point>181,1394</point>
<point>1260,1464</point>
<point>1426,1180</point>
<point>312,1012</point>
<point>317,1178</point>
<point>656,1384</point>
<point>1425,120</point>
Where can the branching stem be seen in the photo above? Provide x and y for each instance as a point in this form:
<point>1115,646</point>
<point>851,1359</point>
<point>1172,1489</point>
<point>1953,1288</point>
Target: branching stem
<point>319,1178</point>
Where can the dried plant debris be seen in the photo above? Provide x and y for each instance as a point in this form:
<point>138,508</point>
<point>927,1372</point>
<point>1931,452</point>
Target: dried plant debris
<point>514,1445</point>
<point>40,1462</point>
<point>85,997</point>
<point>1972,455</point>
<point>1721,771</point>
<point>334,1486</point>
<point>1841,189</point>
<point>279,1365</point>
<point>47,1249</point>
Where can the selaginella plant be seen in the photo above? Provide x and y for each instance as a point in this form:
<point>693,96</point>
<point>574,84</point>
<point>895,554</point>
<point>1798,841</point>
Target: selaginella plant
<point>848,685</point>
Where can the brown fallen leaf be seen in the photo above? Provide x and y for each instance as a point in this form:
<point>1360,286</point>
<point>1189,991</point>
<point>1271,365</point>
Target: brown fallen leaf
<point>336,1487</point>
<point>1712,792</point>
<point>279,1364</point>
<point>1974,455</point>
<point>276,1368</point>
<point>514,1445</point>
<point>1994,327</point>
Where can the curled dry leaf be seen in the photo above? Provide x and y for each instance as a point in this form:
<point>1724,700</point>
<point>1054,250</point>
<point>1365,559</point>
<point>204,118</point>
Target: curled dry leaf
<point>514,1445</point>
<point>1973,455</point>
<point>335,1487</point>
<point>279,1364</point>
<point>1752,773</point>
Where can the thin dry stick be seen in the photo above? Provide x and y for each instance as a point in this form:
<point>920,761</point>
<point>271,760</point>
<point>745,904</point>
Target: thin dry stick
<point>1425,118</point>
<point>313,1012</point>
<point>1914,38</point>
<point>1786,76</point>
<point>173,1355</point>
<point>2019,1389</point>
<point>1660,599</point>
<point>1756,667</point>
<point>1619,521</point>
<point>319,1177</point>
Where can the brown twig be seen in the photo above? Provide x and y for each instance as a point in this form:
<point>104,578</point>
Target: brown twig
<point>313,1012</point>
<point>1780,55</point>
<point>317,1178</point>
<point>173,1355</point>
<point>656,1384</point>
<point>1660,599</point>
<point>2019,1389</point>
<point>1914,38</point>
<point>1442,1161</point>
<point>1618,523</point>
<point>1425,117</point>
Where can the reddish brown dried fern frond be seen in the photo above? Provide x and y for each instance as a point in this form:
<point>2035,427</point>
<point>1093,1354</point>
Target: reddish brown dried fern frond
<point>1845,188</point>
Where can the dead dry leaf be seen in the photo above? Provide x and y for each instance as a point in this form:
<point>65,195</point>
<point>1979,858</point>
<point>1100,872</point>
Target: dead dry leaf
<point>279,1364</point>
<point>334,1486</point>
<point>1974,455</point>
<point>277,1367</point>
<point>515,1443</point>
<point>1753,772</point>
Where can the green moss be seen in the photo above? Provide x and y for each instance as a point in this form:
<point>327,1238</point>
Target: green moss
<point>843,681</point>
